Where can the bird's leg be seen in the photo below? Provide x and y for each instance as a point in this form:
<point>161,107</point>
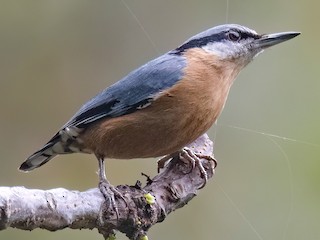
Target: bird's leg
<point>108,191</point>
<point>187,155</point>
<point>102,171</point>
<point>162,162</point>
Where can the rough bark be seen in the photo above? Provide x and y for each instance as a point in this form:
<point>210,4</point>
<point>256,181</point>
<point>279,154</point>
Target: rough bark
<point>60,208</point>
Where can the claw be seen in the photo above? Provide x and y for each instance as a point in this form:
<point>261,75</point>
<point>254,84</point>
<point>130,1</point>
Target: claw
<point>188,156</point>
<point>108,191</point>
<point>195,159</point>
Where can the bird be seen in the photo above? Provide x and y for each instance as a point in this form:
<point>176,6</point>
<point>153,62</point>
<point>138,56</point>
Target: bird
<point>162,106</point>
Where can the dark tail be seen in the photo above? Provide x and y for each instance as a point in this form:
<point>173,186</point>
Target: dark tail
<point>49,151</point>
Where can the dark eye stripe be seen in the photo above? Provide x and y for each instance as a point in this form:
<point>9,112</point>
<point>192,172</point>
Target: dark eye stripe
<point>200,42</point>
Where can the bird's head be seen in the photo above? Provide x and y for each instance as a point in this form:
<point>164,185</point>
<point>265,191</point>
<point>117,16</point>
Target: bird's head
<point>234,42</point>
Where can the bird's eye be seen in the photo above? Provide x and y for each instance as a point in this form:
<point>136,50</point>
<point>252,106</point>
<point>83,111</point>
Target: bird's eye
<point>234,36</point>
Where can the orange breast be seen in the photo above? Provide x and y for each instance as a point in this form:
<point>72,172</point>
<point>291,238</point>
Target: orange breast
<point>177,117</point>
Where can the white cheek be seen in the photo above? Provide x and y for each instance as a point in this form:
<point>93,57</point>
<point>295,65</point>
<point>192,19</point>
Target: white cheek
<point>222,50</point>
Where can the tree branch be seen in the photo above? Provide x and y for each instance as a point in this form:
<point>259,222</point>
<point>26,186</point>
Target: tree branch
<point>59,208</point>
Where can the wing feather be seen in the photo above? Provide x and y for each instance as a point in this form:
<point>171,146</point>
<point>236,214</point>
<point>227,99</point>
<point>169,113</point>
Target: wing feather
<point>133,92</point>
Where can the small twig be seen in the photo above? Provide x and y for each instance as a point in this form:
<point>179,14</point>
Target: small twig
<point>149,180</point>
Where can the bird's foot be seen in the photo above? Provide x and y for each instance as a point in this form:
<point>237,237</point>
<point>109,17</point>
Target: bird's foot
<point>110,193</point>
<point>188,156</point>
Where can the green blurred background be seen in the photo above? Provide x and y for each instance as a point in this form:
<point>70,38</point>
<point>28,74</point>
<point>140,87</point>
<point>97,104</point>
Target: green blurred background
<point>55,55</point>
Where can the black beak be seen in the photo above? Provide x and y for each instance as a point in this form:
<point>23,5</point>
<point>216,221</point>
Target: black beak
<point>269,40</point>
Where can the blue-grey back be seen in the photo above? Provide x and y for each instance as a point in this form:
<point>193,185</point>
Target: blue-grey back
<point>134,91</point>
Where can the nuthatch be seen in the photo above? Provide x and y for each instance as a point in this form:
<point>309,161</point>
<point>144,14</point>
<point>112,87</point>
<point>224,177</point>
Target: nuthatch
<point>159,108</point>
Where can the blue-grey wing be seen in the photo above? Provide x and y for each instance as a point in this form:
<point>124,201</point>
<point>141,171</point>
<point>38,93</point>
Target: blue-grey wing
<point>133,92</point>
